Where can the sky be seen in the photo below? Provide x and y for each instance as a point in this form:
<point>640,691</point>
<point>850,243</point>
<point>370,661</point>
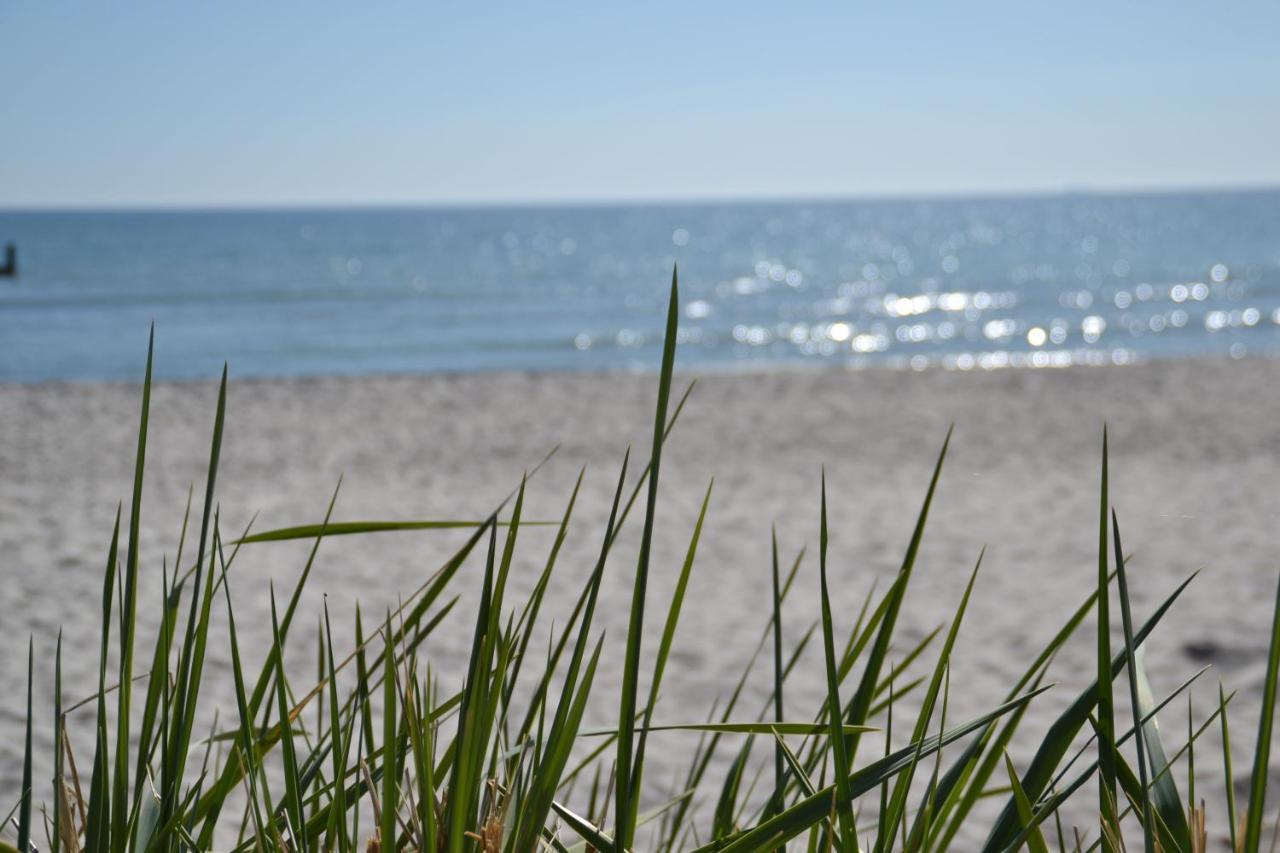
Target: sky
<point>112,104</point>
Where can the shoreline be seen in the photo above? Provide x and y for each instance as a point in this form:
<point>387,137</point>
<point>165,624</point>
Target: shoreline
<point>1195,453</point>
<point>900,364</point>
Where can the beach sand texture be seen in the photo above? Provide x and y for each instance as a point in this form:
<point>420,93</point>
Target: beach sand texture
<point>1195,459</point>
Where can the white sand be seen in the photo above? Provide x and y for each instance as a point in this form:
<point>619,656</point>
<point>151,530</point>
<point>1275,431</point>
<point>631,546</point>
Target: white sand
<point>1195,459</point>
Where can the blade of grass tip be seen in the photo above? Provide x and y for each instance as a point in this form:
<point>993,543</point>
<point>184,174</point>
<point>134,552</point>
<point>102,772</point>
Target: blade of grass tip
<point>390,776</point>
<point>1106,715</point>
<point>1226,767</point>
<point>96,823</point>
<point>24,811</point>
<point>422,732</point>
<point>1148,833</point>
<point>129,607</point>
<point>625,808</point>
<point>837,737</point>
<point>191,660</point>
<point>1262,751</point>
<point>1035,838</point>
<point>779,757</point>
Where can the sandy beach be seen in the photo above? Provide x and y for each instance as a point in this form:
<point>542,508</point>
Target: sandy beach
<point>1195,458</point>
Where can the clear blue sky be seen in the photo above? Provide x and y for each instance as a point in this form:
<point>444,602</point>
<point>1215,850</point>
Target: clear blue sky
<point>178,103</point>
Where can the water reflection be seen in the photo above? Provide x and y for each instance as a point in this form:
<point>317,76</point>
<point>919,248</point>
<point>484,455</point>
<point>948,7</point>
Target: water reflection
<point>960,284</point>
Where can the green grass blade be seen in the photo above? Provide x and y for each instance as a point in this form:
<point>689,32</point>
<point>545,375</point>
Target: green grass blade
<point>1106,702</point>
<point>761,727</point>
<point>1148,831</point>
<point>97,821</point>
<point>247,745</point>
<point>589,833</point>
<point>779,750</point>
<point>191,659</point>
<point>24,810</point>
<point>860,705</point>
<point>668,637</point>
<point>1035,839</point>
<point>352,528</point>
<point>390,771</point>
<point>1174,833</point>
<point>628,782</point>
<point>722,821</point>
<point>1228,776</point>
<point>801,816</point>
<point>902,785</point>
<point>129,608</point>
<point>292,781</point>
<point>59,722</point>
<point>1262,751</point>
<point>838,741</point>
<point>1061,734</point>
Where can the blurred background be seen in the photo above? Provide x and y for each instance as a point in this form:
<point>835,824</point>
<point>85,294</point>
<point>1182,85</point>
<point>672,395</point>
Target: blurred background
<point>324,189</point>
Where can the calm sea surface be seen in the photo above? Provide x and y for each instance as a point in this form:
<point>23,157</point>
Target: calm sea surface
<point>964,284</point>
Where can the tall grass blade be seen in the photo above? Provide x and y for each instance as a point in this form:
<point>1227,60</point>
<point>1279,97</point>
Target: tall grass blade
<point>779,750</point>
<point>860,705</point>
<point>1106,703</point>
<point>1148,831</point>
<point>1262,751</point>
<point>1174,834</point>
<point>629,780</point>
<point>390,750</point>
<point>668,637</point>
<point>97,827</point>
<point>24,810</point>
<point>191,658</point>
<point>59,722</point>
<point>802,815</point>
<point>839,743</point>
<point>1061,734</point>
<point>1035,838</point>
<point>1227,775</point>
<point>129,609</point>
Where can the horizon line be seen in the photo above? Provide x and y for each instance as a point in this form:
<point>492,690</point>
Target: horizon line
<point>331,205</point>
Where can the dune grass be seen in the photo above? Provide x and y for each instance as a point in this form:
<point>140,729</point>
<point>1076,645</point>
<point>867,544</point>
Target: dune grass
<point>482,765</point>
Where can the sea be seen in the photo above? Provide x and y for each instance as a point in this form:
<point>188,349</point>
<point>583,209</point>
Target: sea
<point>957,283</point>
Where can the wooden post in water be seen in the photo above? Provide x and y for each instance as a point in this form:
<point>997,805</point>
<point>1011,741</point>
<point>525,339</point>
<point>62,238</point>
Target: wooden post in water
<point>10,268</point>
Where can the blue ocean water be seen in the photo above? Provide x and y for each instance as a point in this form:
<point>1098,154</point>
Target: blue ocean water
<point>968,284</point>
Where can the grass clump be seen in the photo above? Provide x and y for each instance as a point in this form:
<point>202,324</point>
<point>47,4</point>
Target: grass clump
<point>480,765</point>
